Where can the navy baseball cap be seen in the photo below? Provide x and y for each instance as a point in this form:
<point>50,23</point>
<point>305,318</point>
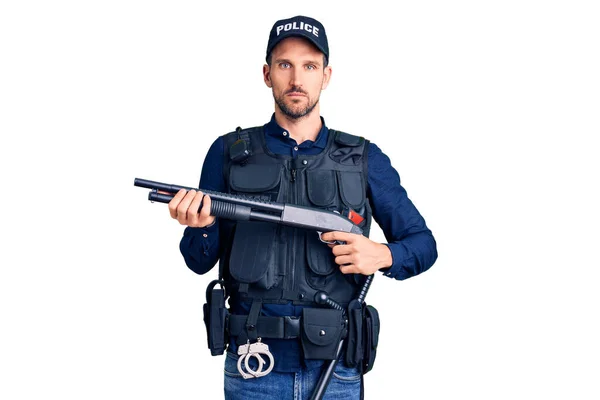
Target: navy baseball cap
<point>302,26</point>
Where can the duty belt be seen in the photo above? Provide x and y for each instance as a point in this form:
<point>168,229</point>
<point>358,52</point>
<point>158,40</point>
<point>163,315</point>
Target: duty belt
<point>266,327</point>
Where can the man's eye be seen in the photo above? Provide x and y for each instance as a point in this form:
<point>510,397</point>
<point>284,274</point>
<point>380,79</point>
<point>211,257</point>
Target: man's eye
<point>284,65</point>
<point>311,67</point>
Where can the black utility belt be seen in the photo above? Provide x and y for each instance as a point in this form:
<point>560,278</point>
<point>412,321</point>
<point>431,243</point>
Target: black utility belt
<point>319,330</point>
<point>266,327</point>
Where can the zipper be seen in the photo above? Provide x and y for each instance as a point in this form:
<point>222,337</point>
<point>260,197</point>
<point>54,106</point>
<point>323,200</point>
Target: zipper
<point>294,200</point>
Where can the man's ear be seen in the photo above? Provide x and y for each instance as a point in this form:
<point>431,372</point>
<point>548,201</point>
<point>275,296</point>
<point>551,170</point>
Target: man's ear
<point>326,77</point>
<point>267,75</point>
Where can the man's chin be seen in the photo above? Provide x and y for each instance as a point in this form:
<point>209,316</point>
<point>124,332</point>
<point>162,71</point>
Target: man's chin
<point>296,108</point>
<point>296,113</point>
<point>293,110</point>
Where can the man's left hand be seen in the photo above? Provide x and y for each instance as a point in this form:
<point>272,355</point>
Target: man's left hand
<point>360,255</point>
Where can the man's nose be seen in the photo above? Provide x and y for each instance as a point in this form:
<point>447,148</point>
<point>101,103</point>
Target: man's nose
<point>296,78</point>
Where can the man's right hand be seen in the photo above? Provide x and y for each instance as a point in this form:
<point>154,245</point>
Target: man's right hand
<point>184,208</point>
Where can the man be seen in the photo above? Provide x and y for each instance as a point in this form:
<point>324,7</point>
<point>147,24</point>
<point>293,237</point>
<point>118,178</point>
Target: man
<point>273,273</point>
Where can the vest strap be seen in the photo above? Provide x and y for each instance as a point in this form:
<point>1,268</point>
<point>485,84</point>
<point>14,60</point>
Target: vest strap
<point>253,319</point>
<point>347,139</point>
<point>248,330</point>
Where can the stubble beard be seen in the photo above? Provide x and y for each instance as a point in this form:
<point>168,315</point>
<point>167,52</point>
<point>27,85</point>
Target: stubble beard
<point>294,113</point>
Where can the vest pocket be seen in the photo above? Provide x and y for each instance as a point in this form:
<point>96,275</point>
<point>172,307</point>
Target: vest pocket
<point>320,257</point>
<point>321,187</point>
<point>252,257</point>
<point>254,178</point>
<point>321,262</point>
<point>352,188</point>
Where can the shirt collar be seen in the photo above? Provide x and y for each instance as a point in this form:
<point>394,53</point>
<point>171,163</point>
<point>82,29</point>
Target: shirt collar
<point>275,131</point>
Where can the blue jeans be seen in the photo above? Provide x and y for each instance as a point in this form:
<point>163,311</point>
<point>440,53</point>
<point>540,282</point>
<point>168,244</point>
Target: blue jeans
<point>344,384</point>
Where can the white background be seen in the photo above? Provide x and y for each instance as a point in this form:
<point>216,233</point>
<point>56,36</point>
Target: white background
<point>487,110</point>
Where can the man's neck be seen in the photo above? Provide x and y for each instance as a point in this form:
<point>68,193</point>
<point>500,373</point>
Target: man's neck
<point>301,129</point>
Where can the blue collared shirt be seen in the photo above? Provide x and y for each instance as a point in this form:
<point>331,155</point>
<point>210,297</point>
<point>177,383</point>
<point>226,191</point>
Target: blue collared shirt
<point>411,243</point>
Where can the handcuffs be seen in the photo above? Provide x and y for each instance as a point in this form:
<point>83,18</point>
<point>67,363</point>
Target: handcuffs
<point>247,351</point>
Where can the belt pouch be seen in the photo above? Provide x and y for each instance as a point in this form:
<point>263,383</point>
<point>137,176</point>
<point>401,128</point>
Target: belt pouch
<point>322,330</point>
<point>354,350</point>
<point>372,326</point>
<point>215,314</point>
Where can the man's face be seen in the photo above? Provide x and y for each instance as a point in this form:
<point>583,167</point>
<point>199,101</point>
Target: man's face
<point>297,76</point>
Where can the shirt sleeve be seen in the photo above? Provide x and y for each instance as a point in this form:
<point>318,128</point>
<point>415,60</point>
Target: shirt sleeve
<point>411,243</point>
<point>200,246</point>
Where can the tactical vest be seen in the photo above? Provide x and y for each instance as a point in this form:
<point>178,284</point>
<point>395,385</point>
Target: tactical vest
<point>276,263</point>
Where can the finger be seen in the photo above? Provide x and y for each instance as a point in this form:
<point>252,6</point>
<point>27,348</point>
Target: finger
<point>349,269</point>
<point>174,203</point>
<point>337,235</point>
<point>205,216</point>
<point>192,211</point>
<point>327,236</point>
<point>341,249</point>
<point>183,207</point>
<point>341,260</point>
<point>205,212</point>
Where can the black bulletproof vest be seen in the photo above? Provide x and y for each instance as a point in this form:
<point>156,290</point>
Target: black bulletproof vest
<point>277,263</point>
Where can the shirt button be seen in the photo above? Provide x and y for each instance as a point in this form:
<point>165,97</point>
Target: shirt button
<point>284,133</point>
<point>304,162</point>
<point>296,148</point>
<point>204,235</point>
